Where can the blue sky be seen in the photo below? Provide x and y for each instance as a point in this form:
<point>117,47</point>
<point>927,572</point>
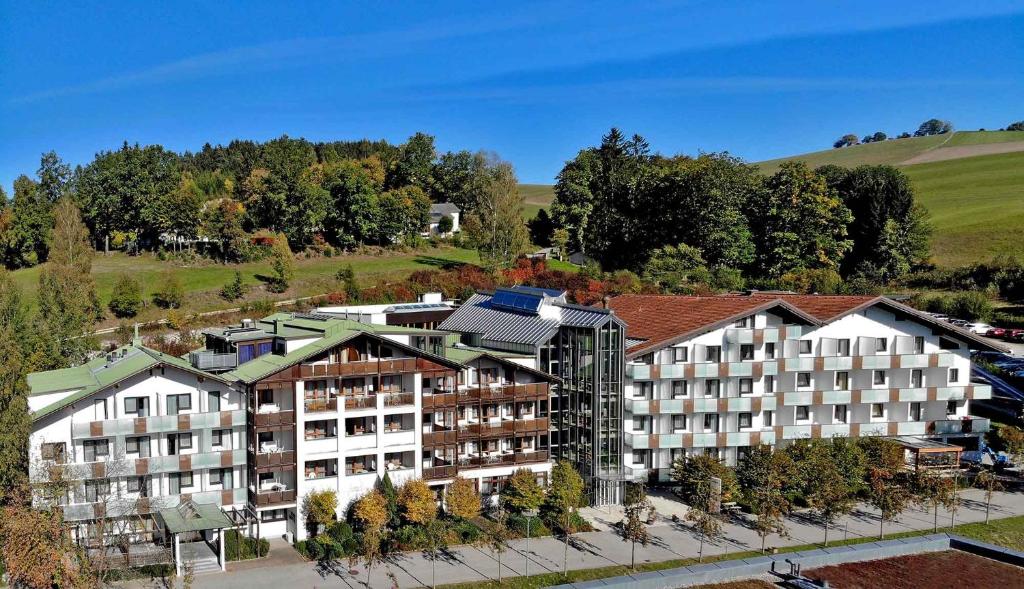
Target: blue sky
<point>532,81</point>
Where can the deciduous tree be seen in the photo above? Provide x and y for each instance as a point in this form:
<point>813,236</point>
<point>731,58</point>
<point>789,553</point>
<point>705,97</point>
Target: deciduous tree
<point>461,499</point>
<point>319,509</point>
<point>522,493</point>
<point>417,502</point>
<point>503,236</point>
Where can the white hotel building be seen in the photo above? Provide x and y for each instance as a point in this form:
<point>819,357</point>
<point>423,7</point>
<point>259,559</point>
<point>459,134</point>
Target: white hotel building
<point>722,374</point>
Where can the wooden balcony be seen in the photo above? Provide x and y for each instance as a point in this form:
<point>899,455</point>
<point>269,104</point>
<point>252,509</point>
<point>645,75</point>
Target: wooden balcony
<point>274,419</point>
<point>440,436</point>
<point>440,472</point>
<point>264,498</point>
<point>506,428</point>
<point>504,459</point>
<point>274,459</point>
<point>508,392</point>
<point>362,367</point>
<point>437,400</point>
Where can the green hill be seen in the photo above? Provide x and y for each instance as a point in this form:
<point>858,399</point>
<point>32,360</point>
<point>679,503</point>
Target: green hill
<point>537,197</point>
<point>976,204</point>
<point>912,150</point>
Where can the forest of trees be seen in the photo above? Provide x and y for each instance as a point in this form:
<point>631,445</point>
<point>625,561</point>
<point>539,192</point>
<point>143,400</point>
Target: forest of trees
<point>342,194</point>
<point>714,215</point>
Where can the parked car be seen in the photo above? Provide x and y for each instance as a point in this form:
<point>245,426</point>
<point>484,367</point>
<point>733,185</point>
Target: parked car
<point>1010,334</point>
<point>939,316</point>
<point>1017,337</point>
<point>959,322</point>
<point>995,332</point>
<point>978,328</point>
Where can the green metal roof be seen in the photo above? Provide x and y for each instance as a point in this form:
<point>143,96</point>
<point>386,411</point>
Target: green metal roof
<point>100,373</point>
<point>194,517</point>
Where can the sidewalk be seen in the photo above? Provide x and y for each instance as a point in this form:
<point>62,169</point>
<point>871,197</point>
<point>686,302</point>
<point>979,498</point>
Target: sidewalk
<point>587,550</point>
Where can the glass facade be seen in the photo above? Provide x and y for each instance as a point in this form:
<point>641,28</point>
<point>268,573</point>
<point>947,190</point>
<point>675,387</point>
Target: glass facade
<point>587,405</point>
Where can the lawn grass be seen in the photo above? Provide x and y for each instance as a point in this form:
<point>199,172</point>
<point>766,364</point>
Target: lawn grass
<point>976,206</point>
<point>1008,532</point>
<point>202,282</point>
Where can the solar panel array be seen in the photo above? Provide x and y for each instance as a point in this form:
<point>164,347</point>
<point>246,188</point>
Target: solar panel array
<point>517,301</point>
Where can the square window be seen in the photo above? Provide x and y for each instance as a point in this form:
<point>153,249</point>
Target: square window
<point>713,354</point>
<point>678,423</point>
<point>805,346</point>
<point>803,379</point>
<point>679,389</point>
<point>879,377</point>
<point>746,351</point>
<point>803,413</point>
<point>881,345</point>
<point>746,386</point>
<point>877,410</point>
<point>746,420</point>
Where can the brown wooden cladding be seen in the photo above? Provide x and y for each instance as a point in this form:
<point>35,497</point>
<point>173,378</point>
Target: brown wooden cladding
<point>274,459</point>
<point>508,428</point>
<point>540,390</point>
<point>364,367</point>
<point>225,419</point>
<point>271,497</point>
<point>440,400</point>
<point>896,361</point>
<point>185,462</point>
<point>140,425</point>
<point>142,466</point>
<point>227,497</point>
<point>858,362</point>
<point>933,393</point>
<point>184,421</point>
<point>276,419</point>
<point>227,458</point>
<point>440,438</point>
<point>96,429</point>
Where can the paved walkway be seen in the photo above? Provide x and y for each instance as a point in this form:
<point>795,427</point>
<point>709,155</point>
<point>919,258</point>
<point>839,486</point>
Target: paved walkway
<point>587,550</point>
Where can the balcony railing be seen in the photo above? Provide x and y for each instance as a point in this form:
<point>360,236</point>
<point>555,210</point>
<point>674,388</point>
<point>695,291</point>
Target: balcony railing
<point>439,435</point>
<point>503,458</point>
<point>508,427</point>
<point>362,367</point>
<point>278,497</point>
<point>399,399</point>
<point>275,418</point>
<point>271,459</point>
<point>440,472</point>
<point>320,405</point>
<point>970,425</point>
<point>361,402</point>
<point>207,360</point>
<point>504,392</point>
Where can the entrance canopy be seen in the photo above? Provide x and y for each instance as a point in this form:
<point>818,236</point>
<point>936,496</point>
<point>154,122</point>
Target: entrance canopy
<point>194,517</point>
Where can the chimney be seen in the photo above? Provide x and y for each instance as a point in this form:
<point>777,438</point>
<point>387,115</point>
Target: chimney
<point>605,301</point>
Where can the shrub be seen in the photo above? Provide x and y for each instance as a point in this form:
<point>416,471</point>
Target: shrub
<point>239,547</point>
<point>972,306</point>
<point>233,290</point>
<point>463,532</point>
<point>259,307</point>
<point>517,523</point>
<point>170,294</point>
<point>126,300</point>
<point>411,537</point>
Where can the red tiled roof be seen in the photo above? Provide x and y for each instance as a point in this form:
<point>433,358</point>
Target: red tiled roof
<point>658,318</point>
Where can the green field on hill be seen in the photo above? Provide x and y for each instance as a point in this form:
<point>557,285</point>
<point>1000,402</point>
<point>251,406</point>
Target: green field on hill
<point>536,197</point>
<point>976,204</point>
<point>203,281</point>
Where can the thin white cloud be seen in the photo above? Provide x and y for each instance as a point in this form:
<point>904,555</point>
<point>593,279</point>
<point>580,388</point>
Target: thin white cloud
<point>289,52</point>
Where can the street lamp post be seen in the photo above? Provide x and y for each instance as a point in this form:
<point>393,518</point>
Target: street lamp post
<point>530,514</point>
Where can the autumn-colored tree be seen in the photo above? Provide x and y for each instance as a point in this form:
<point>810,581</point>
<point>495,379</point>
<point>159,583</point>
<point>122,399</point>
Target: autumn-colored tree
<point>38,552</point>
<point>522,493</point>
<point>371,511</point>
<point>282,264</point>
<point>319,508</point>
<point>462,500</point>
<point>417,502</point>
<point>638,511</point>
<point>887,494</point>
<point>566,495</point>
<point>705,522</point>
<point>988,482</point>
<point>933,489</point>
<point>828,493</point>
